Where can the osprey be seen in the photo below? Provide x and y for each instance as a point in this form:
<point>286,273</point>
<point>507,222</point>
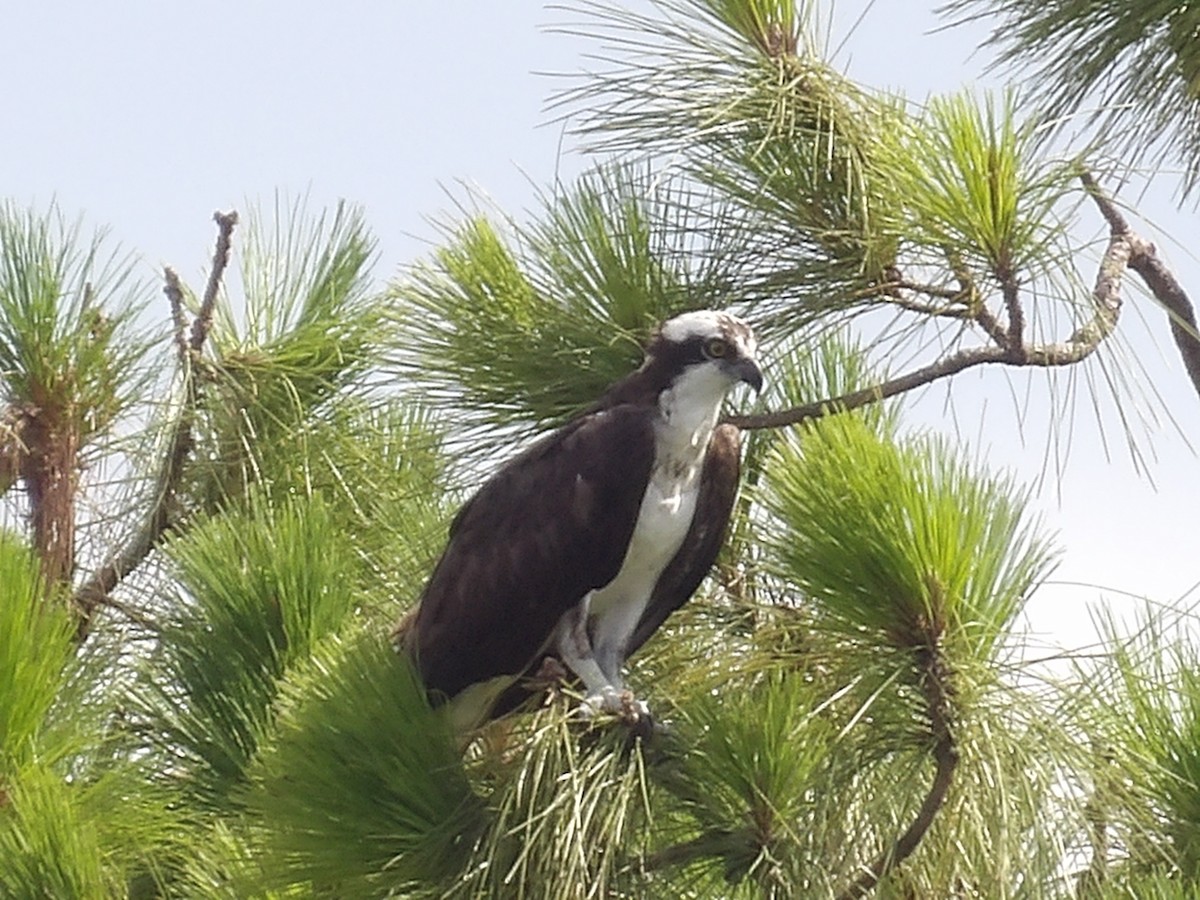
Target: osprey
<point>580,547</point>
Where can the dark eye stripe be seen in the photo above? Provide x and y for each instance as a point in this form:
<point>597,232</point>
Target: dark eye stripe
<point>692,351</point>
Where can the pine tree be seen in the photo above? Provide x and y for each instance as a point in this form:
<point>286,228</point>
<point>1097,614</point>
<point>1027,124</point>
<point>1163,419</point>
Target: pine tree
<point>216,520</point>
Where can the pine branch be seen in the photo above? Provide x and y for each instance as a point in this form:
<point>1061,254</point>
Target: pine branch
<point>1016,316</point>
<point>1159,279</point>
<point>713,843</point>
<point>203,322</point>
<point>1123,246</point>
<point>97,590</point>
<point>949,365</point>
<point>935,684</point>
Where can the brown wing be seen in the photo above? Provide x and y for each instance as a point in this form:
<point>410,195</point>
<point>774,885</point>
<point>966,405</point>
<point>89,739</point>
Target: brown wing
<point>547,528</point>
<point>714,505</point>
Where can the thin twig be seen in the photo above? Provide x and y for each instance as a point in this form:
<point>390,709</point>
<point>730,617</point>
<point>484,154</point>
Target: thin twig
<point>711,843</point>
<point>97,590</point>
<point>1117,222</point>
<point>174,291</point>
<point>948,311</point>
<point>137,618</point>
<point>1095,813</point>
<point>957,294</point>
<point>987,320</point>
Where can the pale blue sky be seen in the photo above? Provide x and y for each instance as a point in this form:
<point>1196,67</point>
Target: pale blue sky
<point>146,116</point>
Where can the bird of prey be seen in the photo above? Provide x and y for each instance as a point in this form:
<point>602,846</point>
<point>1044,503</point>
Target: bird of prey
<point>580,547</point>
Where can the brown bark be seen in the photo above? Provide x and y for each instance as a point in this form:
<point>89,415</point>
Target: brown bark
<point>1162,283</point>
<point>50,469</point>
<point>12,446</point>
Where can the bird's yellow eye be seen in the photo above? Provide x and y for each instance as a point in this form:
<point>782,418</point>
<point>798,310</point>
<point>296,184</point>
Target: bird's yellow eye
<point>715,348</point>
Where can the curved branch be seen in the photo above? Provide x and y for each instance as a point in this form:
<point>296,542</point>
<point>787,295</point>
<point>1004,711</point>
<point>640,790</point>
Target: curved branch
<point>935,684</point>
<point>96,591</point>
<point>1159,279</point>
<point>1106,309</point>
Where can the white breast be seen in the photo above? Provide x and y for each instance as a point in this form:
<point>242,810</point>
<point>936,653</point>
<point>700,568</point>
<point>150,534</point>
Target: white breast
<point>663,522</point>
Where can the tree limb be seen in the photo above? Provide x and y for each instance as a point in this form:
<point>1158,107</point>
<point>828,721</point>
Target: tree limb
<point>1016,316</point>
<point>1170,293</point>
<point>96,591</point>
<point>935,684</point>
<point>1159,279</point>
<point>174,291</point>
<point>1106,309</point>
<point>949,365</point>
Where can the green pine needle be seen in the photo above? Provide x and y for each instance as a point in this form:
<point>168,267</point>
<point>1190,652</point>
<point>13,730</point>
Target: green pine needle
<point>530,328</point>
<point>568,812</point>
<point>1129,67</point>
<point>901,541</point>
<point>753,758</point>
<point>68,346</point>
<point>362,792</point>
<point>974,186</point>
<point>35,650</point>
<point>311,329</point>
<point>241,625</point>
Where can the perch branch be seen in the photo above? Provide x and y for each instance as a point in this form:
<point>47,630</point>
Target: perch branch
<point>97,590</point>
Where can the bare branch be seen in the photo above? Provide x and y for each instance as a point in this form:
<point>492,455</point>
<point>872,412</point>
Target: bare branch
<point>951,310</point>
<point>1170,293</point>
<point>708,844</point>
<point>203,323</point>
<point>1159,279</point>
<point>958,295</point>
<point>1117,224</point>
<point>137,618</point>
<point>174,291</point>
<point>97,590</point>
<point>949,365</point>
<point>989,323</point>
<point>1011,291</point>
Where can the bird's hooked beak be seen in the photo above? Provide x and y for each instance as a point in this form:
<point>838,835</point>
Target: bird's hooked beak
<point>747,370</point>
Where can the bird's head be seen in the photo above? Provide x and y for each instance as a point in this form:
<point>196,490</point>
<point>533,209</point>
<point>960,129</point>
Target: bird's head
<point>708,348</point>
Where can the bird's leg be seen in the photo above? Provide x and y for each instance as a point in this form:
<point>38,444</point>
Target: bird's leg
<point>606,693</point>
<point>575,648</point>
